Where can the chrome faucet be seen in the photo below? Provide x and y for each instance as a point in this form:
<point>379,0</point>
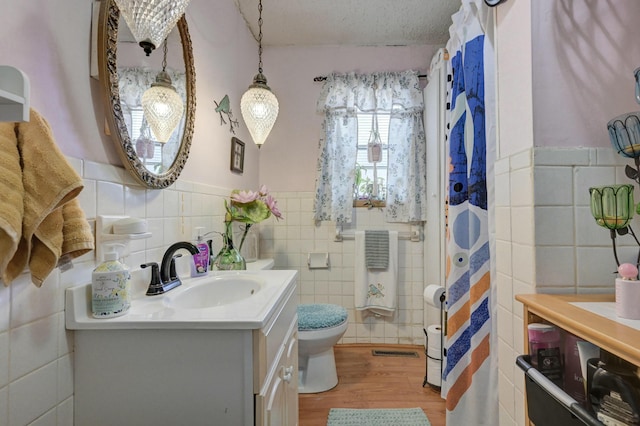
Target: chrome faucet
<point>165,277</point>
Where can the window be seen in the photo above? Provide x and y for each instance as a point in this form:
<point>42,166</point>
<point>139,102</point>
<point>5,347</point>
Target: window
<point>370,187</point>
<point>402,173</point>
<point>151,157</point>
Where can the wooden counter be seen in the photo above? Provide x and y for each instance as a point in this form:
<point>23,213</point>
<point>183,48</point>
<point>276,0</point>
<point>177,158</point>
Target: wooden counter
<point>613,337</point>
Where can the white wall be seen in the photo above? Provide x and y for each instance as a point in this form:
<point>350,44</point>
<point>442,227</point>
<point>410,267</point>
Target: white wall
<point>50,41</point>
<point>288,158</point>
<point>584,55</point>
<point>565,68</point>
<point>514,80</point>
<point>288,165</point>
<point>226,60</point>
<point>36,351</point>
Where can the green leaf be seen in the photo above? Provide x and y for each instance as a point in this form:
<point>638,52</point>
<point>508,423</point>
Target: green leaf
<point>253,212</point>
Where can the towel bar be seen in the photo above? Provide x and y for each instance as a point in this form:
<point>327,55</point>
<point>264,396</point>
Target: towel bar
<point>413,235</point>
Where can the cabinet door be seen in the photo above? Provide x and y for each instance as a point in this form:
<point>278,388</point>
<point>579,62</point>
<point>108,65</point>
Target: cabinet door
<point>277,404</point>
<point>291,379</point>
<point>276,401</point>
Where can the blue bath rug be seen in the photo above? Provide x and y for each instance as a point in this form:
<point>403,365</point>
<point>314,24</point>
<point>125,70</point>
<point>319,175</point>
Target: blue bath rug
<point>377,417</point>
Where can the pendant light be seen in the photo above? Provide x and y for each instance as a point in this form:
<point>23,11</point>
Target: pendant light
<point>162,105</point>
<point>259,106</point>
<point>150,21</point>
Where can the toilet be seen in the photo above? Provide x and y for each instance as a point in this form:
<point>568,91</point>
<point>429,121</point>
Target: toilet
<point>320,327</point>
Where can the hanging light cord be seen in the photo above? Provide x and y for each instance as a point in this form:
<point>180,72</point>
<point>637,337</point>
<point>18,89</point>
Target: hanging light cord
<point>164,59</point>
<point>260,37</point>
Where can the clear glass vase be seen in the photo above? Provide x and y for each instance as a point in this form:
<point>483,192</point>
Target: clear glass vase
<point>248,236</point>
<point>229,258</point>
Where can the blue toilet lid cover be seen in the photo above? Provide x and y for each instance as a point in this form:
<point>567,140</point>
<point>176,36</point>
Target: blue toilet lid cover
<point>320,315</point>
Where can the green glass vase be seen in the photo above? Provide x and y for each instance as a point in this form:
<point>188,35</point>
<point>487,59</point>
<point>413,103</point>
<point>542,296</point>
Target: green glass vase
<point>229,257</point>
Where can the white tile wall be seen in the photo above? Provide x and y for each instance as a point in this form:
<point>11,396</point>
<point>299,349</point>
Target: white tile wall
<point>289,241</point>
<point>548,242</point>
<point>36,351</point>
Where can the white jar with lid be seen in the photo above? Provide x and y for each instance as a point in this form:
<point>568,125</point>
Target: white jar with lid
<point>545,348</point>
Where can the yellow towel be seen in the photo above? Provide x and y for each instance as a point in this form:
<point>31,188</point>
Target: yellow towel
<point>11,206</point>
<point>46,246</point>
<point>76,232</point>
<point>49,183</point>
<point>62,236</point>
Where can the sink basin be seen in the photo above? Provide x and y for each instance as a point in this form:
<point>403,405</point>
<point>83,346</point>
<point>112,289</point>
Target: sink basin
<point>229,300</point>
<point>216,291</point>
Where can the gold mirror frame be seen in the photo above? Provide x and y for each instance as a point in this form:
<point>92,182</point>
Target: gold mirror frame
<point>108,74</point>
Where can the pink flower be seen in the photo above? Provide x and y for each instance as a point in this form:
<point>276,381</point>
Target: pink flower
<point>244,197</point>
<point>271,204</point>
<point>264,191</point>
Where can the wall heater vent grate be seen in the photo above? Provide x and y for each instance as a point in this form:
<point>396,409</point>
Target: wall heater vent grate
<point>407,354</point>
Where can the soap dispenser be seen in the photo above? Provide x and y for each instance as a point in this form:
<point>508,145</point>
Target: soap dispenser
<point>200,265</point>
<point>111,282</point>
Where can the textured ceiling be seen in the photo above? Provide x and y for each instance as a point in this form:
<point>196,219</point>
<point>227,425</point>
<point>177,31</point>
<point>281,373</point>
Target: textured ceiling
<point>351,22</point>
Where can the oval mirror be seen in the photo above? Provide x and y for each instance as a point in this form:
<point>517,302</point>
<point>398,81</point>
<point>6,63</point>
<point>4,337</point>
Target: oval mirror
<point>125,73</point>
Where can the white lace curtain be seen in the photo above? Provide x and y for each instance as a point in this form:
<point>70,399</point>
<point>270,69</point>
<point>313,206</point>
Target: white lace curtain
<point>341,99</point>
<point>134,81</point>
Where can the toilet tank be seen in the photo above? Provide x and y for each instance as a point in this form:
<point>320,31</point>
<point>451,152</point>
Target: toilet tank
<point>260,264</point>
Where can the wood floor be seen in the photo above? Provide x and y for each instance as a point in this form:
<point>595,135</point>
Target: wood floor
<point>367,381</point>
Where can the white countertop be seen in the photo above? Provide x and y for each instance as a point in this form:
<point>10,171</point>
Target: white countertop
<point>154,312</point>
<point>607,310</point>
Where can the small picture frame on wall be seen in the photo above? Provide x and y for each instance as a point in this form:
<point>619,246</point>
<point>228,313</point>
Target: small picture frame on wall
<point>237,155</point>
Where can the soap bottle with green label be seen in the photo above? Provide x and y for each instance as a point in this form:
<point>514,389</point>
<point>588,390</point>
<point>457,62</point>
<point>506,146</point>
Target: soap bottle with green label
<point>111,282</point>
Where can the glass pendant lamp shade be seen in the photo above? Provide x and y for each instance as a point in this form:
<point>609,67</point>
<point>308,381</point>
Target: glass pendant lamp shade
<point>150,21</point>
<point>162,107</point>
<point>624,133</point>
<point>612,205</point>
<point>259,107</point>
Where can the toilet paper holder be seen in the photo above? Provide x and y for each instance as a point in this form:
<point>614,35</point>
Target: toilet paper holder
<point>442,298</point>
<point>318,260</point>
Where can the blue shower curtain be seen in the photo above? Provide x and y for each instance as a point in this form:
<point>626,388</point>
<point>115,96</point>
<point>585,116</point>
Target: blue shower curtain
<point>470,375</point>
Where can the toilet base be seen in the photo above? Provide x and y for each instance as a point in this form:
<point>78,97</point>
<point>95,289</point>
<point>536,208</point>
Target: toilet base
<point>317,372</point>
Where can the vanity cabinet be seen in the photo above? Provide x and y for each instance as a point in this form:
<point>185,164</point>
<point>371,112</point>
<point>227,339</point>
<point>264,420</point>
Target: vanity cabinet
<point>610,335</point>
<point>195,375</point>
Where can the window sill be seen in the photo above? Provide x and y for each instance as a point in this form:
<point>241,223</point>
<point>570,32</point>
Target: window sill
<point>369,203</point>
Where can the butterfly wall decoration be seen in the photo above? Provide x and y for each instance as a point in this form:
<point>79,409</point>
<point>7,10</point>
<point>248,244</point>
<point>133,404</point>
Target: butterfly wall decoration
<point>224,108</point>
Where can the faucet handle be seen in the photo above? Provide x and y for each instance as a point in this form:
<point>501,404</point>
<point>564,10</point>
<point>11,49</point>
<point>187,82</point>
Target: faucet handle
<point>155,286</point>
<point>173,275</point>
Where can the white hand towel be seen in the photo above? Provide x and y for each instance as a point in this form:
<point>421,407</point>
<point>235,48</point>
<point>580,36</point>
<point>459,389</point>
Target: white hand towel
<point>376,290</point>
